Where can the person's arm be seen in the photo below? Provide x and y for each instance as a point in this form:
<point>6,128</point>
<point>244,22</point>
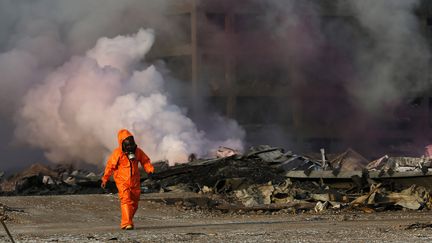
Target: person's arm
<point>110,167</point>
<point>145,162</point>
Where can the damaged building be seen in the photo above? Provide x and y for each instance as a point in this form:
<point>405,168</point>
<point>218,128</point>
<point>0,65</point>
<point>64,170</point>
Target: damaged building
<point>282,75</point>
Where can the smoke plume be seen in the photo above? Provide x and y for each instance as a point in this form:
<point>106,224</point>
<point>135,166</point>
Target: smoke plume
<point>75,113</point>
<point>70,104</point>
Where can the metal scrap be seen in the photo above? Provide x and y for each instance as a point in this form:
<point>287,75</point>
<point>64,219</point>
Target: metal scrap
<point>349,160</point>
<point>414,197</point>
<point>390,165</point>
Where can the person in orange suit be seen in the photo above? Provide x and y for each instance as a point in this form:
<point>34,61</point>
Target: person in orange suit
<point>123,162</point>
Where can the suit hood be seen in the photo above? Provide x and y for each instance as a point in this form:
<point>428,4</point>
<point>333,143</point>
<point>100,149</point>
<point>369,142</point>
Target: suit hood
<point>122,135</point>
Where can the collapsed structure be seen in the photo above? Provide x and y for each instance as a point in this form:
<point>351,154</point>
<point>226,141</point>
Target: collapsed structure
<point>263,178</point>
<point>268,178</point>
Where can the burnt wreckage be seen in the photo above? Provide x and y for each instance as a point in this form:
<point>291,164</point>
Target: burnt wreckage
<point>263,178</point>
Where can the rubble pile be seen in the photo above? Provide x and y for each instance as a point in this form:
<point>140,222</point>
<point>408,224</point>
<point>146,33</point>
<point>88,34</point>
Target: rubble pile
<point>390,165</point>
<point>263,178</point>
<point>260,180</point>
<point>223,175</point>
<point>42,180</point>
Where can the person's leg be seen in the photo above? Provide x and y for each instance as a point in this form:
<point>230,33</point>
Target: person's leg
<point>126,218</point>
<point>126,205</point>
<point>135,197</point>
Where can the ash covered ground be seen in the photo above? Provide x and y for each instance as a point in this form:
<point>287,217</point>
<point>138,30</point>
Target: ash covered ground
<point>95,218</point>
<point>251,197</point>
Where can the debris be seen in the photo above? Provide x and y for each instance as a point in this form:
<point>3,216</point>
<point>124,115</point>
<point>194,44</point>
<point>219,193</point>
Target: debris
<point>323,158</point>
<point>349,160</point>
<point>335,205</point>
<point>414,198</point>
<point>259,179</point>
<point>390,165</point>
<point>181,187</point>
<point>333,196</point>
<point>90,175</point>
<point>224,152</point>
<point>321,206</point>
<point>265,178</point>
<point>267,153</point>
<point>161,165</point>
<point>206,189</point>
<point>428,151</point>
<point>378,164</point>
<point>297,205</point>
<point>40,179</point>
<point>281,193</point>
<point>367,210</point>
<point>230,184</point>
<point>300,163</point>
<point>419,226</point>
<point>70,181</point>
<point>224,175</point>
<point>364,199</point>
<point>255,195</point>
<point>47,180</point>
<point>320,197</point>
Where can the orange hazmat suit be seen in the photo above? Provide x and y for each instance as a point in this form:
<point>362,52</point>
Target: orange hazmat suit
<point>127,178</point>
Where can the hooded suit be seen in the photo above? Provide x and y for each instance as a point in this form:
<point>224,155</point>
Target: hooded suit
<point>127,177</point>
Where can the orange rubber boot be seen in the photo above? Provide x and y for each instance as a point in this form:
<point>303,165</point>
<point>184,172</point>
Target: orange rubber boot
<point>127,214</point>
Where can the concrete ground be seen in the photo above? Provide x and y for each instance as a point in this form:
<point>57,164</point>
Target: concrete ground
<point>96,218</point>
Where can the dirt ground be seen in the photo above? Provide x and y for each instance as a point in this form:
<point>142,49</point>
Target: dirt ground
<point>96,218</point>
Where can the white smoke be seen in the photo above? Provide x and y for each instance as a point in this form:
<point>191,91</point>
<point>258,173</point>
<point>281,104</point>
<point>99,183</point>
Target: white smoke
<point>75,113</point>
<point>37,36</point>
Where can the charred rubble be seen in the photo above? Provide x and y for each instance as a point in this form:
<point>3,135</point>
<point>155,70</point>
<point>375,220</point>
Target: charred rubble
<point>267,178</point>
<point>41,179</point>
<point>263,178</point>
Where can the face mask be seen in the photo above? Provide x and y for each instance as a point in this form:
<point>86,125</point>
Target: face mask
<point>129,146</point>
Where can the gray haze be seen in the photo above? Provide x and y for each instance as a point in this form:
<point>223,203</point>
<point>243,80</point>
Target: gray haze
<point>351,68</point>
<point>394,60</point>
